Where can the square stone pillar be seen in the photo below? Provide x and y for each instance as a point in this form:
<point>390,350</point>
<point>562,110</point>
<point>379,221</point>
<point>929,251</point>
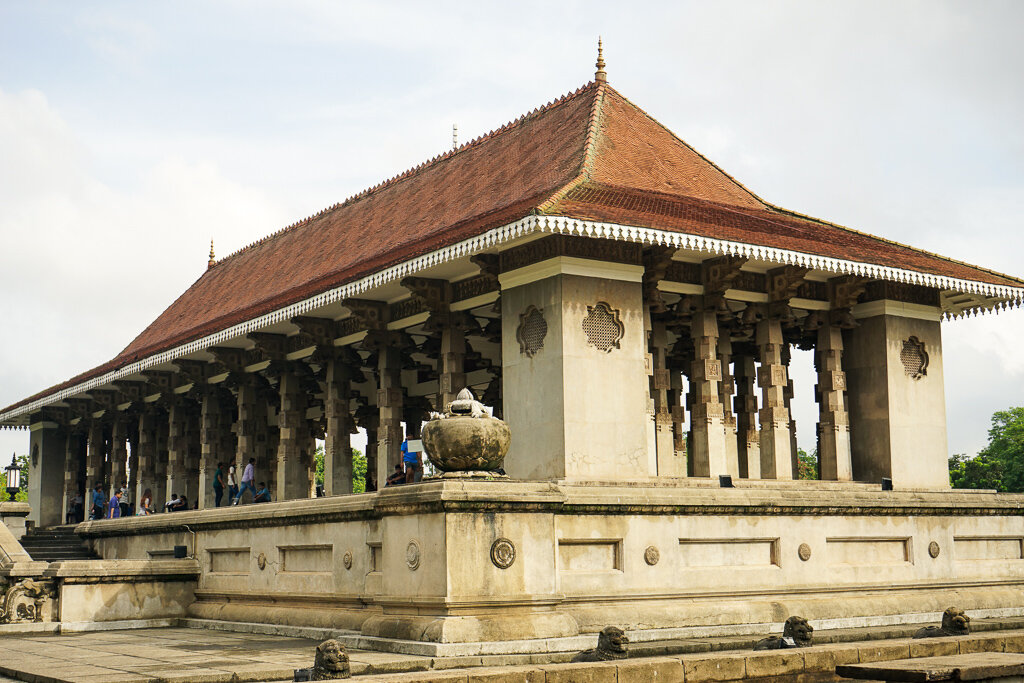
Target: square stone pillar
<point>748,440</point>
<point>212,448</point>
<point>726,391</point>
<point>893,364</point>
<point>707,417</point>
<point>338,442</point>
<point>452,361</point>
<point>47,454</point>
<point>776,443</point>
<point>292,473</point>
<point>834,458</point>
<point>183,451</point>
<point>574,376</point>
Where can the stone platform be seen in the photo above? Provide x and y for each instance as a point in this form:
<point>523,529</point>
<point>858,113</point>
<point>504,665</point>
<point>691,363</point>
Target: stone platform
<point>191,655</point>
<point>466,568</point>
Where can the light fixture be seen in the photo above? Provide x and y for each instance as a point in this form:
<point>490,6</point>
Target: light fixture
<point>13,473</point>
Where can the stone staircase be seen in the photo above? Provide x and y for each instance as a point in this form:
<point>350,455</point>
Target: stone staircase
<point>55,544</point>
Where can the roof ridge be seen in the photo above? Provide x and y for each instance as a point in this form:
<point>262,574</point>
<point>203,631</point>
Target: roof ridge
<point>589,144</point>
<point>411,172</point>
<point>690,147</point>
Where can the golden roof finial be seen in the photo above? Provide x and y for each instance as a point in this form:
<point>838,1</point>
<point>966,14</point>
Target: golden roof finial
<point>213,259</point>
<point>600,76</point>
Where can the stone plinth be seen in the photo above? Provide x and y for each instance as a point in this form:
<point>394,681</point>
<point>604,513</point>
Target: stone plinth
<point>13,516</point>
<point>460,561</point>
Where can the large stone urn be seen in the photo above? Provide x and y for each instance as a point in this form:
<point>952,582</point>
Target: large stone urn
<point>465,440</point>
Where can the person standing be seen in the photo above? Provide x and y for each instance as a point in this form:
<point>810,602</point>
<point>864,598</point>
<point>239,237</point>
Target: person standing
<point>218,485</point>
<point>145,506</point>
<point>97,502</point>
<point>115,505</point>
<point>248,477</point>
<point>232,482</point>
<point>413,463</point>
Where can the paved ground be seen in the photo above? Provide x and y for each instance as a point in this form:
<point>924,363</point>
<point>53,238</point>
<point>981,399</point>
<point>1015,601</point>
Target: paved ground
<point>167,654</point>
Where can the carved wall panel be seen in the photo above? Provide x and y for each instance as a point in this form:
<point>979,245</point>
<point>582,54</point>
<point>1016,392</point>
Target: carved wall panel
<point>531,331</point>
<point>603,327</point>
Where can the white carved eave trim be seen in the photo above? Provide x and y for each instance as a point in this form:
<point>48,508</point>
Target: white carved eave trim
<point>998,296</point>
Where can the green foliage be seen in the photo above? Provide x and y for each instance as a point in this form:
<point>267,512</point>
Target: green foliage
<point>358,469</point>
<point>1000,464</point>
<point>806,464</point>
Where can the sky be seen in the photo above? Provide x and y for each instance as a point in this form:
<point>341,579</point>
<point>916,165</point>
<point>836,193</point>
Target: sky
<point>133,133</point>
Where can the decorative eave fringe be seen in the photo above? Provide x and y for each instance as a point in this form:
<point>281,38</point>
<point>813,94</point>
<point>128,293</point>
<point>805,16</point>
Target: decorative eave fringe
<point>1004,296</point>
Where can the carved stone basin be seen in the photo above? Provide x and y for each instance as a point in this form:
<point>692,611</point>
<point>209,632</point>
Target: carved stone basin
<point>466,438</point>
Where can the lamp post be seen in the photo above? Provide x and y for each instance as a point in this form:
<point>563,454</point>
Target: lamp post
<point>13,473</point>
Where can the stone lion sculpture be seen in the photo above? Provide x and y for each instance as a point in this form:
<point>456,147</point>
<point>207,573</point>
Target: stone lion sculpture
<point>796,633</point>
<point>611,644</point>
<point>330,663</point>
<point>954,623</point>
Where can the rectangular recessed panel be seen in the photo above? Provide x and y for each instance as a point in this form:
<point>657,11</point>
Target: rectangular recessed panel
<point>376,557</point>
<point>987,548</point>
<point>229,560</point>
<point>728,552</point>
<point>868,551</point>
<point>588,555</point>
<point>307,558</point>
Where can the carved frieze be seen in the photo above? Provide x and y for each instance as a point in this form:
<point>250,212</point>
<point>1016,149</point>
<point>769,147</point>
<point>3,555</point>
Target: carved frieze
<point>901,291</point>
<point>28,601</point>
<point>580,247</point>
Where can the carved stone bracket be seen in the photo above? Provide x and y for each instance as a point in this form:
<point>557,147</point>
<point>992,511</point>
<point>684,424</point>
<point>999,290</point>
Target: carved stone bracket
<point>718,275</point>
<point>657,260</point>
<point>28,601</point>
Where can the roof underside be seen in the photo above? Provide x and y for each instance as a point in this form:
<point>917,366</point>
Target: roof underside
<point>591,155</point>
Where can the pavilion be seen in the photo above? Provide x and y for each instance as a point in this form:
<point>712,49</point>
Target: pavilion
<point>629,309</point>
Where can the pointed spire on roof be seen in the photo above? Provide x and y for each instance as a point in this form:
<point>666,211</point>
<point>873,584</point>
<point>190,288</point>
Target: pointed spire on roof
<point>600,76</point>
<point>213,259</point>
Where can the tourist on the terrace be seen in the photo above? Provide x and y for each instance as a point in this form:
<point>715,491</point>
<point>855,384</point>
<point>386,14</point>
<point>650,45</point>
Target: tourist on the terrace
<point>98,502</point>
<point>263,495</point>
<point>413,463</point>
<point>176,503</point>
<point>218,484</point>
<point>248,477</point>
<point>146,504</point>
<point>232,482</point>
<point>115,505</point>
<point>75,507</point>
<point>397,477</point>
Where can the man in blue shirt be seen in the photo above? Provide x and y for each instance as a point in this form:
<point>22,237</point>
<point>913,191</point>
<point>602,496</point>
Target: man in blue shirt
<point>115,505</point>
<point>413,463</point>
<point>98,501</point>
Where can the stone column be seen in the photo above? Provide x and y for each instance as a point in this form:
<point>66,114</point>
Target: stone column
<point>707,422</point>
<point>252,433</point>
<point>726,390</point>
<point>748,441</point>
<point>183,451</point>
<point>788,393</point>
<point>667,462</point>
<point>211,443</point>
<point>834,457</point>
<point>776,446</point>
<point>145,477</point>
<point>451,363</point>
<point>47,452</point>
<point>161,458</point>
<point>133,460</point>
<point>338,443</point>
<point>292,475</point>
<point>389,404</point>
<point>95,465</point>
<point>75,451</point>
<point>678,413</point>
<point>118,455</point>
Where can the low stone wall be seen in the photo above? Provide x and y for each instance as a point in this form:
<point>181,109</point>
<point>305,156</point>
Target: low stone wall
<point>13,516</point>
<point>489,567</point>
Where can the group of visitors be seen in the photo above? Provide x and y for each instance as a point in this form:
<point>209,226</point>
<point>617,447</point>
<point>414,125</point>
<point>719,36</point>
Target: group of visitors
<point>235,491</point>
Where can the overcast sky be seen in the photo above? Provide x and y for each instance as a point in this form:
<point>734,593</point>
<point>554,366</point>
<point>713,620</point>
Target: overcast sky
<point>131,133</point>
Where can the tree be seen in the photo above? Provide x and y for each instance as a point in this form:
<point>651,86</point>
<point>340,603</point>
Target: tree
<point>806,464</point>
<point>1000,464</point>
<point>358,469</point>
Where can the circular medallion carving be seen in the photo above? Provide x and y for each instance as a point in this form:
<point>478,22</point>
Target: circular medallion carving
<point>934,549</point>
<point>804,551</point>
<point>503,553</point>
<point>652,555</point>
<point>412,555</point>
<point>347,559</point>
<point>261,561</point>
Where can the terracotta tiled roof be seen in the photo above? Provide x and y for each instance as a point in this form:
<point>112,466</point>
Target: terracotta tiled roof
<point>591,154</point>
